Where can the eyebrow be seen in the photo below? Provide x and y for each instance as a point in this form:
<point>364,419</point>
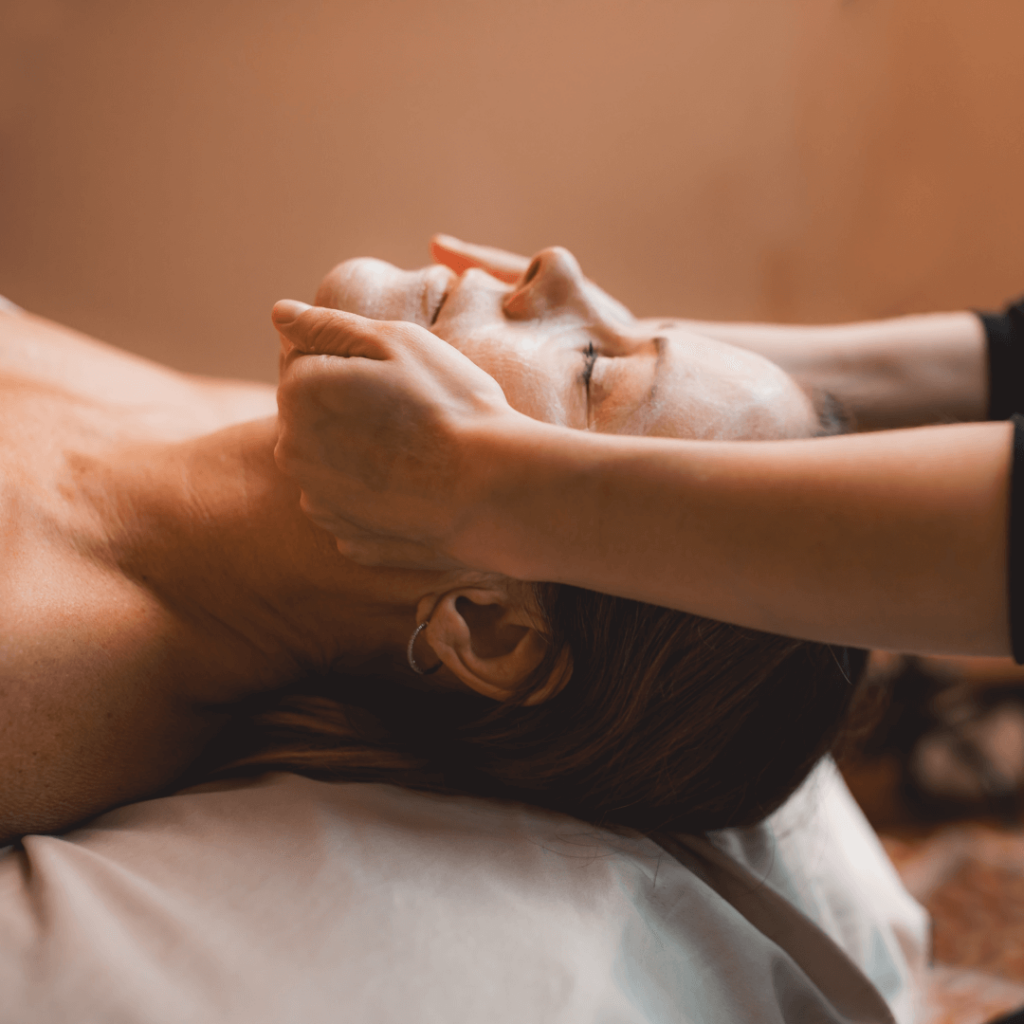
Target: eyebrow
<point>833,417</point>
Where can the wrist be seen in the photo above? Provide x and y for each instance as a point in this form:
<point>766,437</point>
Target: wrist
<point>520,474</point>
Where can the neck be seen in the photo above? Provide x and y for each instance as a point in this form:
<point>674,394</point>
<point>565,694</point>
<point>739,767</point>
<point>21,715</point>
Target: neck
<point>258,594</point>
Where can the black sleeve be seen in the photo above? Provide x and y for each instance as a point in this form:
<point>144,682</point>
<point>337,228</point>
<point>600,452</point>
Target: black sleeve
<point>1015,546</point>
<point>1004,333</point>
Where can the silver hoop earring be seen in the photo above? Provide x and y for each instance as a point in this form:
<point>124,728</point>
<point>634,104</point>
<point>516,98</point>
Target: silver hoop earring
<point>412,660</point>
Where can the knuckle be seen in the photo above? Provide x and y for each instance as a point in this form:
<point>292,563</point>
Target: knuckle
<point>310,507</point>
<point>358,551</point>
<point>320,332</point>
<point>285,456</point>
<point>290,453</point>
<point>292,408</point>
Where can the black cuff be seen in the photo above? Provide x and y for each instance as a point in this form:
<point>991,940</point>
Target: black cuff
<point>1015,543</point>
<point>1005,335</point>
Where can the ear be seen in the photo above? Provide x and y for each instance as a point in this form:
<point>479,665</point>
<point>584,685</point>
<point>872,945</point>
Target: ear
<point>489,638</point>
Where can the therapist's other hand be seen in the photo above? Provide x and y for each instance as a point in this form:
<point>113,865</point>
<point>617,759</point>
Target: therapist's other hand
<point>374,418</point>
<point>511,267</point>
<point>457,255</point>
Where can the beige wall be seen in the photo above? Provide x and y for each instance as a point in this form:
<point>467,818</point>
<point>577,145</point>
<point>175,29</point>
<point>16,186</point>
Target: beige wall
<point>167,170</point>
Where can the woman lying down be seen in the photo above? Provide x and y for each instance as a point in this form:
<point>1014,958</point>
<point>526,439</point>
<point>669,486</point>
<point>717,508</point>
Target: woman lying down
<point>169,611</point>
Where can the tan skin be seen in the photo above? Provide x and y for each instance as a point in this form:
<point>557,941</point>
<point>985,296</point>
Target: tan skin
<point>903,372</point>
<point>157,566</point>
<point>894,540</point>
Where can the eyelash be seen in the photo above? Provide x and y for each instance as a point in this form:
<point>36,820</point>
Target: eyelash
<point>588,370</point>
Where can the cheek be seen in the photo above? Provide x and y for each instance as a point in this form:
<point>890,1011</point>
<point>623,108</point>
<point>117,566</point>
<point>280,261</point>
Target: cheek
<point>535,374</point>
<point>531,385</point>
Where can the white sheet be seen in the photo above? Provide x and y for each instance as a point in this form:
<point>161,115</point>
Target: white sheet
<point>288,900</point>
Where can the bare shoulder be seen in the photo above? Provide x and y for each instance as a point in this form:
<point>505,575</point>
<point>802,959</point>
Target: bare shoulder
<point>50,356</point>
<point>86,719</point>
<point>89,717</point>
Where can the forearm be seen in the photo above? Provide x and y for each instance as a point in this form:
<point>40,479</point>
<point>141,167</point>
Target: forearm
<point>902,372</point>
<point>895,540</point>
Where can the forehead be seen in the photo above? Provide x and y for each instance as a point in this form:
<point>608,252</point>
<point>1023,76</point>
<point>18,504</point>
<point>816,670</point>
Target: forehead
<point>703,388</point>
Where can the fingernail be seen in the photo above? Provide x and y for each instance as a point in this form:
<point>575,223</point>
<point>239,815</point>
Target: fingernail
<point>287,311</point>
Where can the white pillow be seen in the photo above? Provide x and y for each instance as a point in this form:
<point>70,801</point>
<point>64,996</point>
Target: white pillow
<point>288,900</point>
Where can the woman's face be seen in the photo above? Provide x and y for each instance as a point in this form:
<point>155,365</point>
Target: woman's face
<point>565,352</point>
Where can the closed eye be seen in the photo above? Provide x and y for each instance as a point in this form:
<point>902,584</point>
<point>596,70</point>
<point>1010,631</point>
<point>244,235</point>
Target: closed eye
<point>590,358</point>
<point>437,312</point>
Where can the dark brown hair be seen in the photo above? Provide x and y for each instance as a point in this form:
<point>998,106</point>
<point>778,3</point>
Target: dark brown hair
<point>669,722</point>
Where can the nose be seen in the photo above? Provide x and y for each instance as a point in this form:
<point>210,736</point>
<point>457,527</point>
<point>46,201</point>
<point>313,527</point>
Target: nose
<point>553,281</point>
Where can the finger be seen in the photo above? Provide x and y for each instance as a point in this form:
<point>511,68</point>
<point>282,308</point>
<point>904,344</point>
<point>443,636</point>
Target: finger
<point>321,331</point>
<point>459,256</point>
<point>368,547</point>
<point>395,554</point>
<point>287,310</point>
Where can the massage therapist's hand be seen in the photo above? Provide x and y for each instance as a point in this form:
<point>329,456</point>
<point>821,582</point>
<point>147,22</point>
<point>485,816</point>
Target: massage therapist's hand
<point>375,421</point>
<point>902,372</point>
<point>511,267</point>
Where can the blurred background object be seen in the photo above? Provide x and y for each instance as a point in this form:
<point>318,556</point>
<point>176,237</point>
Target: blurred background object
<point>935,757</point>
<point>937,739</point>
<point>169,170</point>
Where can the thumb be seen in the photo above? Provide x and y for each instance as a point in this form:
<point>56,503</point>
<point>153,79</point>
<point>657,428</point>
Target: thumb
<point>317,330</point>
<point>287,311</point>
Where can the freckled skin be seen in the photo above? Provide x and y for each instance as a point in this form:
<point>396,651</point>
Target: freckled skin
<point>87,717</point>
